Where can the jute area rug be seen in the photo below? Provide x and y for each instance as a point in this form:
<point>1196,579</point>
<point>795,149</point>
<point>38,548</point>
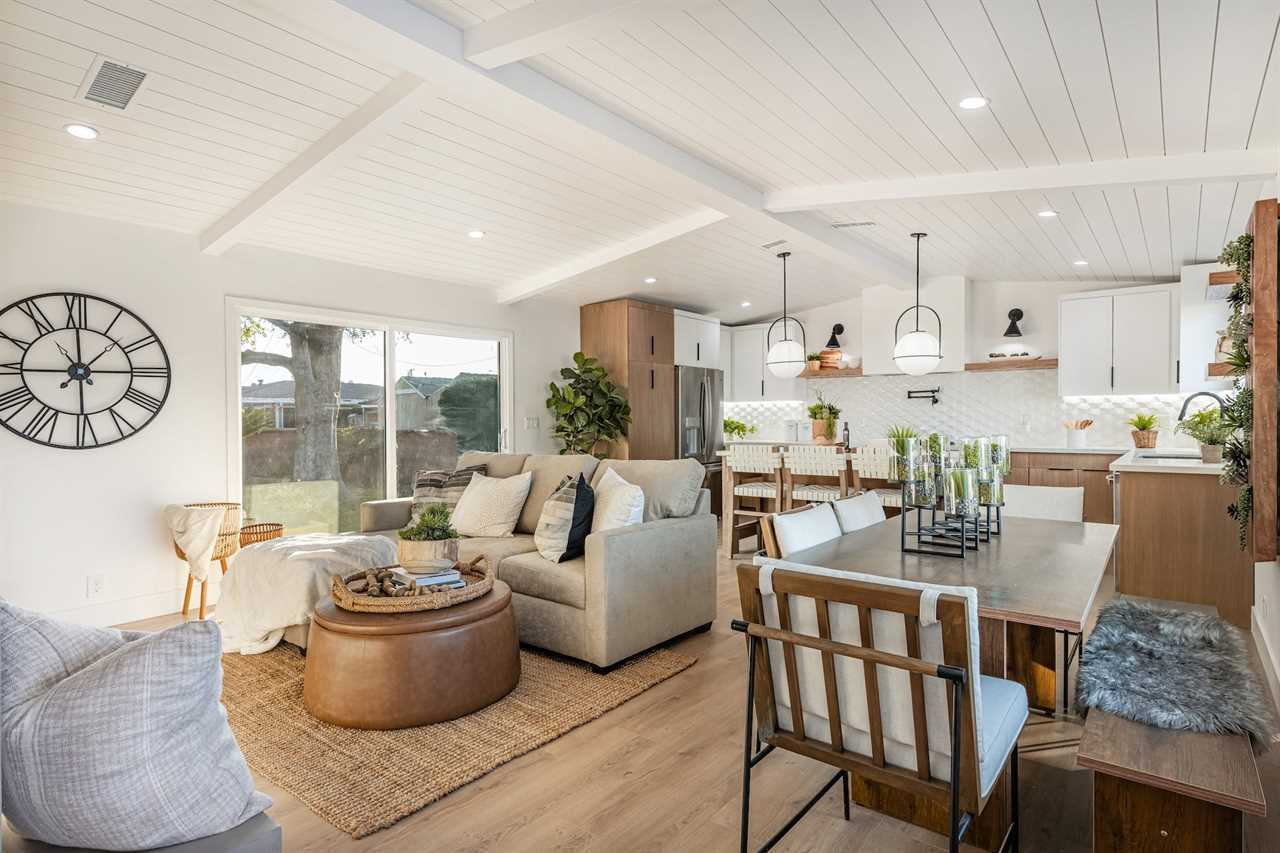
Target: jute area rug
<point>362,781</point>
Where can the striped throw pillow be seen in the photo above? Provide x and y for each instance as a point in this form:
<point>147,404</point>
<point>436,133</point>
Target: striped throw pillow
<point>566,520</point>
<point>441,487</point>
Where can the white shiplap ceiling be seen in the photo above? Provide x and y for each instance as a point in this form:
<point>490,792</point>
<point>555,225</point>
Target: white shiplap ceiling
<point>608,153</point>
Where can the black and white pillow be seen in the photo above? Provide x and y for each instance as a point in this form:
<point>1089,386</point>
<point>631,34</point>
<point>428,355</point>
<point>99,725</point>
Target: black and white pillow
<point>566,520</point>
<point>441,487</point>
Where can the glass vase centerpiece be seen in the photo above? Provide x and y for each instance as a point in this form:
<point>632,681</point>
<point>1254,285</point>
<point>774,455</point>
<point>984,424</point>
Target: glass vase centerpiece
<point>903,442</point>
<point>960,493</point>
<point>1000,454</point>
<point>919,480</point>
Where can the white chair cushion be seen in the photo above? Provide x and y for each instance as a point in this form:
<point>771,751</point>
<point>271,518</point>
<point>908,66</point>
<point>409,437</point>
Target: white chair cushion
<point>1004,706</point>
<point>1054,503</point>
<point>796,531</point>
<point>859,511</point>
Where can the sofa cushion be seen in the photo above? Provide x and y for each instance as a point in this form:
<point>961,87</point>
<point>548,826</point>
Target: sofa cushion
<point>491,506</point>
<point>670,486</point>
<point>498,464</point>
<point>494,549</point>
<point>618,503</point>
<point>548,471</point>
<point>440,487</point>
<point>114,740</point>
<point>534,575</point>
<point>566,520</point>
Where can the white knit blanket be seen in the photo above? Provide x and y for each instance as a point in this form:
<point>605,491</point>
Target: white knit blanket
<point>272,585</point>
<point>195,531</point>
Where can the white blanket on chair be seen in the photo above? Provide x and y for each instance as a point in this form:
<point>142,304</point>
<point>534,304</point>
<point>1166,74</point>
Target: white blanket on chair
<point>195,531</point>
<point>274,584</point>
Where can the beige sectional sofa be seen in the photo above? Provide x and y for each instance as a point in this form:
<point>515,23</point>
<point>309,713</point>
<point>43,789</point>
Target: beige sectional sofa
<point>635,587</point>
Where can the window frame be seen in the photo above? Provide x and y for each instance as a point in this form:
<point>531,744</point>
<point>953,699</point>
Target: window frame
<point>238,306</point>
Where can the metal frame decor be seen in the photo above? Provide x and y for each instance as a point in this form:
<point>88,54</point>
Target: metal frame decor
<point>114,371</point>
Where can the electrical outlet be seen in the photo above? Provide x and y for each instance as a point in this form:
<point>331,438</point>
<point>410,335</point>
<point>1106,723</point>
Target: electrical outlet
<point>93,586</point>
<point>530,423</point>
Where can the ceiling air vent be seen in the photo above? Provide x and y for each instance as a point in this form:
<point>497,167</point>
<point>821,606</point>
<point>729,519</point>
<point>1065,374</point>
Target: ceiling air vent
<point>852,224</point>
<point>775,244</point>
<point>111,83</point>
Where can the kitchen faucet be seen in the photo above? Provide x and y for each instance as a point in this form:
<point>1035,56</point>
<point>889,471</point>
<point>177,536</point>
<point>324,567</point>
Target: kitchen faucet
<point>1222,404</point>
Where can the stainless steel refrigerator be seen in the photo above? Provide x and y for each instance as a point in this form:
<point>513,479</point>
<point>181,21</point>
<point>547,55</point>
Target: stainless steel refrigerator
<point>699,422</point>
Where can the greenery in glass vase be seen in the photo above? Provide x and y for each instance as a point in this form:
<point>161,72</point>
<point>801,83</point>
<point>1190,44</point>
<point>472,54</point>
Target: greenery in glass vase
<point>588,408</point>
<point>936,450</point>
<point>433,525</point>
<point>1206,427</point>
<point>898,441</point>
<point>737,429</point>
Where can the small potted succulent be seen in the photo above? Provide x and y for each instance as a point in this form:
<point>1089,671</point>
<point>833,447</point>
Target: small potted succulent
<point>1210,430</point>
<point>736,429</point>
<point>814,361</point>
<point>1144,430</point>
<point>429,539</point>
<point>822,416</point>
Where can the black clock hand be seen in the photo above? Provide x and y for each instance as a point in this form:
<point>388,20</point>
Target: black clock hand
<point>109,347</point>
<point>65,354</point>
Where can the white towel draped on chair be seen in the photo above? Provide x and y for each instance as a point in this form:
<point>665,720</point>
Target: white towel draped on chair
<point>195,531</point>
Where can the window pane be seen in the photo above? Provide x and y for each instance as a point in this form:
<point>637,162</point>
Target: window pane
<point>312,401</point>
<point>447,402</point>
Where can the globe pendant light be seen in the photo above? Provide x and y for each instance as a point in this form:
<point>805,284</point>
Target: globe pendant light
<point>786,357</point>
<point>917,352</point>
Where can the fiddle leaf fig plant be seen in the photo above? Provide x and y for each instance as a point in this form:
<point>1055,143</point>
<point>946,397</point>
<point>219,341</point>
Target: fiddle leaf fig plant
<point>588,408</point>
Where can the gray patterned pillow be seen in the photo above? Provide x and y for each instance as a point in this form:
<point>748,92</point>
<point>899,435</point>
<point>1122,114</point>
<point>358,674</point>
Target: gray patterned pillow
<point>441,487</point>
<point>116,740</point>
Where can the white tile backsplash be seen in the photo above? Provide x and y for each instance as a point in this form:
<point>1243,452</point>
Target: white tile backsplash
<point>1023,404</point>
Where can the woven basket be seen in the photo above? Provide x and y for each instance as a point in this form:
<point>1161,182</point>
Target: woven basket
<point>478,583</point>
<point>260,532</point>
<point>228,534</point>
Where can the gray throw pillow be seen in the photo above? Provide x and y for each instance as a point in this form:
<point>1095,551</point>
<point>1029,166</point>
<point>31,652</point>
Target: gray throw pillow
<point>116,740</point>
<point>440,487</point>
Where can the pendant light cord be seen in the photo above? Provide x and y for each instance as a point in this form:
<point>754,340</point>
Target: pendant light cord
<point>918,236</point>
<point>786,335</point>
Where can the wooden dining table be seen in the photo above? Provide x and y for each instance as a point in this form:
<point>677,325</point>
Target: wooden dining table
<point>1038,577</point>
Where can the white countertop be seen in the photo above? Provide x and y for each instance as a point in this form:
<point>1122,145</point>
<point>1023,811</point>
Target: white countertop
<point>1069,449</point>
<point>1187,462</point>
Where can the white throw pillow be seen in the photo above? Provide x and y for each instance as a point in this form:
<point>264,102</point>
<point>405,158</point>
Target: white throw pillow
<point>116,740</point>
<point>491,505</point>
<point>859,511</point>
<point>618,503</point>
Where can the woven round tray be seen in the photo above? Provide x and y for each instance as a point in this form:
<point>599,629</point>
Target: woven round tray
<point>479,582</point>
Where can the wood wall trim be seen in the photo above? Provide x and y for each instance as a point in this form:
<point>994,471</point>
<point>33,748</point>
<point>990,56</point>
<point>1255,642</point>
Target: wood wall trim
<point>1264,373</point>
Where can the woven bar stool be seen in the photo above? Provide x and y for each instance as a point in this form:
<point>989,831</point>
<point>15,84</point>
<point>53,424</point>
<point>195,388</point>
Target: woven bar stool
<point>228,544</point>
<point>817,461</point>
<point>756,471</point>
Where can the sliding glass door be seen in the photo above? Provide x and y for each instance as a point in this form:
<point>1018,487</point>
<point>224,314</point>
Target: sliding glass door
<point>333,414</point>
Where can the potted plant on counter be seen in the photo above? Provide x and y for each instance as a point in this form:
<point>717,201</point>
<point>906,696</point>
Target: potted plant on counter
<point>813,361</point>
<point>1210,430</point>
<point>429,541</point>
<point>822,416</point>
<point>1144,430</point>
<point>735,429</point>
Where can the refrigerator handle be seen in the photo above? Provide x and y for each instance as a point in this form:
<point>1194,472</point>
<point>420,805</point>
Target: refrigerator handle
<point>702,418</point>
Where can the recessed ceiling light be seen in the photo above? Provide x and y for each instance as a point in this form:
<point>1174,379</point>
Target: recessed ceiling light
<point>650,280</point>
<point>81,131</point>
<point>746,305</point>
<point>1046,213</point>
<point>973,102</point>
<point>1080,263</point>
<point>475,235</point>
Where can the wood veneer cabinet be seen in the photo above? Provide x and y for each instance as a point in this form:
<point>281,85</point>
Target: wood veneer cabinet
<point>1069,469</point>
<point>635,343</point>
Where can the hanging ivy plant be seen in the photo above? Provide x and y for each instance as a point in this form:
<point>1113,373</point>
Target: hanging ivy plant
<point>1238,413</point>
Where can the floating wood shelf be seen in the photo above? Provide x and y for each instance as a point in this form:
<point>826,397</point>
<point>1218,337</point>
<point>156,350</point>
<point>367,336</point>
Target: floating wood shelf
<point>837,373</point>
<point>1218,370</point>
<point>1013,364</point>
<point>1228,277</point>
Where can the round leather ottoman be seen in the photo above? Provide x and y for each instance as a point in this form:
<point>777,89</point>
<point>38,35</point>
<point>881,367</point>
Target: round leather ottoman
<point>395,670</point>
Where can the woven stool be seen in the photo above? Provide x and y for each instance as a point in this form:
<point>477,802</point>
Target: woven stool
<point>228,543</point>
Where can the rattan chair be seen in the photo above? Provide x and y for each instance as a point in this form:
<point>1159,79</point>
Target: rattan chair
<point>227,545</point>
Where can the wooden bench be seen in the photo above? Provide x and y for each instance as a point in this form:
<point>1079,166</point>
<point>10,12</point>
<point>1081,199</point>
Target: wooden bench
<point>1167,790</point>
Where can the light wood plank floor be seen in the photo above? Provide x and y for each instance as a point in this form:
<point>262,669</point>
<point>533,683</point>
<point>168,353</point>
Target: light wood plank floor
<point>662,773</point>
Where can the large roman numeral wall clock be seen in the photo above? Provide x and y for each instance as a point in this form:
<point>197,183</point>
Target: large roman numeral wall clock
<point>78,371</point>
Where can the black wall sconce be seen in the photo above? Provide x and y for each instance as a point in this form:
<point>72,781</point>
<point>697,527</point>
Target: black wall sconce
<point>837,329</point>
<point>1013,331</point>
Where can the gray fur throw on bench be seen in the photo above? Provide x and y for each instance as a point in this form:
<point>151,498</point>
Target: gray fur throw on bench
<point>1173,669</point>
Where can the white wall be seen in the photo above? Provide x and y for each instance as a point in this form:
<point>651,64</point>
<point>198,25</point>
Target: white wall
<point>67,514</point>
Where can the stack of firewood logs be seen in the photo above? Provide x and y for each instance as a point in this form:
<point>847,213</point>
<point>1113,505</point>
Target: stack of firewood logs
<point>382,583</point>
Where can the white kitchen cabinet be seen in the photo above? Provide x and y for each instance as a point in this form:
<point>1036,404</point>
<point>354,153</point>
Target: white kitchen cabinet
<point>697,340</point>
<point>1118,342</point>
<point>726,359</point>
<point>751,380</point>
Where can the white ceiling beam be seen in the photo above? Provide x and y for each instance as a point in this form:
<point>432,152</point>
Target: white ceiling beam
<point>542,27</point>
<point>351,137</point>
<point>547,279</point>
<point>398,32</point>
<point>1211,166</point>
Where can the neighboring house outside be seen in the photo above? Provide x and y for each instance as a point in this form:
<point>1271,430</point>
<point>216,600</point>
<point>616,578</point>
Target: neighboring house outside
<point>418,401</point>
<point>360,404</point>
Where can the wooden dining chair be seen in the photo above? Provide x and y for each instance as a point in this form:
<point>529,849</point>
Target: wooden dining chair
<point>1052,503</point>
<point>755,475</point>
<point>817,461</point>
<point>921,728</point>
